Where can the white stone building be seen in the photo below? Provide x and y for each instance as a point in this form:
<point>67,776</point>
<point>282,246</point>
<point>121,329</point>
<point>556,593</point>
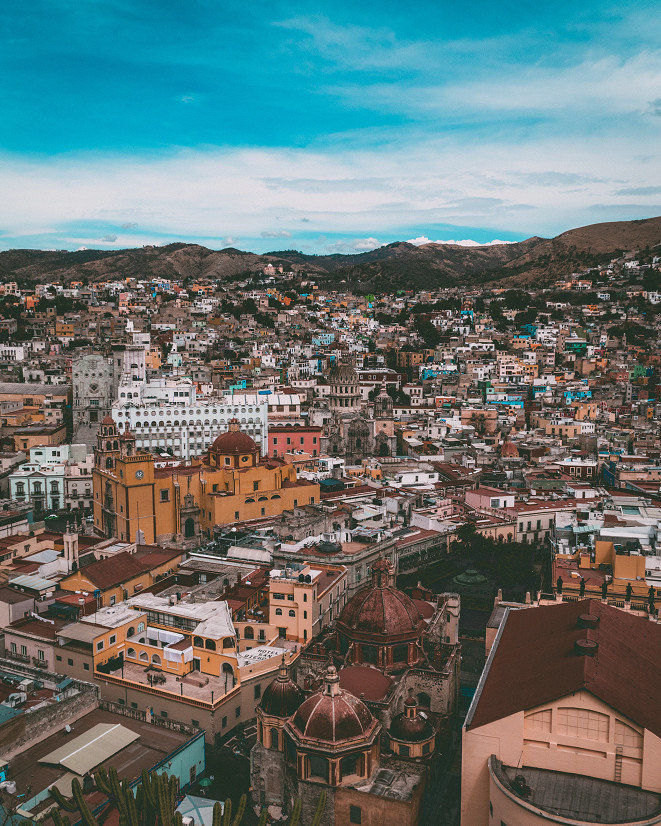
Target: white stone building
<point>187,424</point>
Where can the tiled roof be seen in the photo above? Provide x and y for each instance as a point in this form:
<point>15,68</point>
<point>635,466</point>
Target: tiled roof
<point>534,662</point>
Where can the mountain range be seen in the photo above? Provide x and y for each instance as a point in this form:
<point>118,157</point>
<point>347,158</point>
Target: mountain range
<point>394,266</point>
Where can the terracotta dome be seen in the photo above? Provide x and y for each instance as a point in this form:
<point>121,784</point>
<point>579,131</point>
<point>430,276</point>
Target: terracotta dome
<point>380,609</point>
<point>233,442</point>
<point>410,726</point>
<point>282,697</point>
<point>333,714</point>
<point>509,449</point>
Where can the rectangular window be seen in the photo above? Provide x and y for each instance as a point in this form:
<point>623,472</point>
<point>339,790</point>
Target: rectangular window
<point>40,655</point>
<point>86,666</point>
<point>258,691</point>
<point>355,814</point>
<point>224,722</point>
<point>113,639</point>
<point>134,705</point>
<point>24,650</point>
<point>112,600</point>
<point>13,648</point>
<point>99,646</point>
<point>237,712</point>
<point>165,495</point>
<point>164,714</point>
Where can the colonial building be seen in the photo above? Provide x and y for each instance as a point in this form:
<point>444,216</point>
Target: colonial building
<point>351,432</point>
<point>564,726</point>
<point>331,742</point>
<point>371,700</point>
<point>183,503</point>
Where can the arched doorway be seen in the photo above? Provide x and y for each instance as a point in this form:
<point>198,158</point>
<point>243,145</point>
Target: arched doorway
<point>189,528</point>
<point>227,672</point>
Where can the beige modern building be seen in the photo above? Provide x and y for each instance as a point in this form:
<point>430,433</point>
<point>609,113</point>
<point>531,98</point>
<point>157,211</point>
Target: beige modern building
<point>565,725</point>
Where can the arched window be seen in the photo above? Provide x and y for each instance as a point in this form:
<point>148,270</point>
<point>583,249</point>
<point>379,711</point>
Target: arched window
<point>349,765</point>
<point>198,642</point>
<point>155,659</point>
<point>143,656</point>
<point>278,612</point>
<point>131,631</point>
<point>275,738</point>
<point>318,767</point>
<point>130,653</point>
<point>228,642</point>
<point>424,699</point>
<point>400,653</point>
<point>109,463</point>
<point>249,632</point>
<point>292,613</point>
<point>369,653</point>
<point>210,645</point>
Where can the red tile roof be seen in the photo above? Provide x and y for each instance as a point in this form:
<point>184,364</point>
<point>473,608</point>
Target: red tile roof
<point>113,571</point>
<point>534,662</point>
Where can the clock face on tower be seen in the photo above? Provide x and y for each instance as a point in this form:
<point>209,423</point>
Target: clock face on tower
<point>139,474</point>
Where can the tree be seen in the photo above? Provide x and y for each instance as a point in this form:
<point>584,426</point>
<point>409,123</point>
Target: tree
<point>427,332</point>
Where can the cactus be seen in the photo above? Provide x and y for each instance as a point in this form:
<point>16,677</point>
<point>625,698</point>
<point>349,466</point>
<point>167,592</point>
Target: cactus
<point>318,812</point>
<point>295,812</point>
<point>153,804</point>
<point>263,817</point>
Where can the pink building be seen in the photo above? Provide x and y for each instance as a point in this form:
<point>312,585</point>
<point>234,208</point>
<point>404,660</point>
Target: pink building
<point>286,438</point>
<point>565,725</point>
<point>492,498</point>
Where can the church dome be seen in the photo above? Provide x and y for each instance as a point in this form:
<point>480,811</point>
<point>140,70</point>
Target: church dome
<point>233,442</point>
<point>343,374</point>
<point>333,714</point>
<point>380,609</point>
<point>410,726</point>
<point>282,697</point>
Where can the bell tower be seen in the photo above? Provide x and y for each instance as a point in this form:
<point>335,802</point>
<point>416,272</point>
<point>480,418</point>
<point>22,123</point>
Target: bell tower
<point>107,448</point>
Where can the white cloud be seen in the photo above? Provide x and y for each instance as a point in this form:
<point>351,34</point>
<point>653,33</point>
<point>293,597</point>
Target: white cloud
<point>467,242</point>
<point>366,243</point>
<point>529,187</point>
<point>275,234</point>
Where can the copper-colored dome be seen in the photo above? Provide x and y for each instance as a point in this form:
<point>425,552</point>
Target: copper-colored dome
<point>333,715</point>
<point>282,697</point>
<point>415,729</point>
<point>233,442</point>
<point>381,610</point>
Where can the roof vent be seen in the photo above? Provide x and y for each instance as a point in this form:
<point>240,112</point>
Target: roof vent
<point>586,648</point>
<point>587,621</point>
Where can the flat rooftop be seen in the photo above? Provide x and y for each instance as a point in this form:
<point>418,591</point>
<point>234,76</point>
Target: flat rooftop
<point>578,797</point>
<point>152,745</point>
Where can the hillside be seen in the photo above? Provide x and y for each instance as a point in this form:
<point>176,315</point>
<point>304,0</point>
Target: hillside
<point>534,260</point>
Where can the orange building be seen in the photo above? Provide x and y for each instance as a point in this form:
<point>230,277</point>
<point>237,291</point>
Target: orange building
<point>183,503</point>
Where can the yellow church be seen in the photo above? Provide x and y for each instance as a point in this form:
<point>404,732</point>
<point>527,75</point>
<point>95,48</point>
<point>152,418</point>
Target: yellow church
<point>231,483</point>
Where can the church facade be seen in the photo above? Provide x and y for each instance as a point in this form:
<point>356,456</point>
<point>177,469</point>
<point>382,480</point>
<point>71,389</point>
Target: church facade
<point>353,431</point>
<point>181,504</point>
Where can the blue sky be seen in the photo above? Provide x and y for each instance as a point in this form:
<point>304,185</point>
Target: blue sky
<point>324,126</point>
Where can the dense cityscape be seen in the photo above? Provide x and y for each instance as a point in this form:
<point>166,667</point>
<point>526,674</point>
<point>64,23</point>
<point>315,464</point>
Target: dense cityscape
<point>331,555</point>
